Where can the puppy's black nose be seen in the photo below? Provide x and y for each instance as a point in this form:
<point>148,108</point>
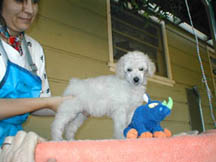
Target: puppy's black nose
<point>136,79</point>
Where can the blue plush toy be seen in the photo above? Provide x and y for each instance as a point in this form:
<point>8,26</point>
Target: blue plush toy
<point>146,119</point>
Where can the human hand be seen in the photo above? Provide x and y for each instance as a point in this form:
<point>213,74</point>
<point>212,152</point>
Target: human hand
<point>57,100</point>
<point>20,148</point>
<point>54,102</point>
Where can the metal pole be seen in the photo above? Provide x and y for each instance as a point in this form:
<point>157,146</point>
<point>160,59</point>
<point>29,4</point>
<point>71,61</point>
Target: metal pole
<point>195,89</point>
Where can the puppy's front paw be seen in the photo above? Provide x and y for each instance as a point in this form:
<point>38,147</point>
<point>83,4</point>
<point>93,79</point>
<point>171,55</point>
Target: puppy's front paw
<point>57,138</point>
<point>56,135</point>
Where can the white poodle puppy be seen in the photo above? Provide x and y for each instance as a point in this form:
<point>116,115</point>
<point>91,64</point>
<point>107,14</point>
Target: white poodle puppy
<point>116,96</point>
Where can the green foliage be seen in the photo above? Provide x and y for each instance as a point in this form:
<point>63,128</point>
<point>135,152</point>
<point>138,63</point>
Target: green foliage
<point>158,8</point>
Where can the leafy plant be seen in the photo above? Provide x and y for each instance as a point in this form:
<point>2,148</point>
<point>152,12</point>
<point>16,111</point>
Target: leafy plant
<point>158,8</point>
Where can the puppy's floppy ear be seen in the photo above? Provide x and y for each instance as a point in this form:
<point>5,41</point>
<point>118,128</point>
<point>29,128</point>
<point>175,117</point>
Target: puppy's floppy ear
<point>151,68</point>
<point>120,67</point>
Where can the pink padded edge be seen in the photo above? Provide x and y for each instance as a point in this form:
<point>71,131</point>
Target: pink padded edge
<point>197,148</point>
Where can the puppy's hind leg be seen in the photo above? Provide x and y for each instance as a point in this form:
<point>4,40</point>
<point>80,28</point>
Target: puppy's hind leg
<point>67,112</point>
<point>73,125</point>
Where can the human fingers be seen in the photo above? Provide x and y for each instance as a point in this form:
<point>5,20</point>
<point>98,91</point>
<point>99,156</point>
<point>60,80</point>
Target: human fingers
<point>69,97</point>
<point>58,100</point>
<point>25,153</point>
<point>13,152</point>
<point>66,98</point>
<point>32,139</point>
<point>41,139</point>
<point>54,102</point>
<point>6,149</point>
<point>18,139</point>
<point>30,142</point>
<point>7,143</point>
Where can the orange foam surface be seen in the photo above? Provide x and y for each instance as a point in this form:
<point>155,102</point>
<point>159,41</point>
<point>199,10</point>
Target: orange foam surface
<point>188,148</point>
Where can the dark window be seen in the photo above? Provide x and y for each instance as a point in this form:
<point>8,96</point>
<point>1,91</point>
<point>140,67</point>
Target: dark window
<point>131,31</point>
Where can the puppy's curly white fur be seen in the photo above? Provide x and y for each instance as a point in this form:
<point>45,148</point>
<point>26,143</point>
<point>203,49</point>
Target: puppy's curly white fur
<point>116,96</point>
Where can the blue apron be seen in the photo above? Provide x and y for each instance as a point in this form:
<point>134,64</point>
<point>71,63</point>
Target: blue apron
<point>17,83</point>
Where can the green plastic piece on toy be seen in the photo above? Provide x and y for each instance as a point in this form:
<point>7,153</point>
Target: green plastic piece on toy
<point>169,104</point>
<point>164,103</point>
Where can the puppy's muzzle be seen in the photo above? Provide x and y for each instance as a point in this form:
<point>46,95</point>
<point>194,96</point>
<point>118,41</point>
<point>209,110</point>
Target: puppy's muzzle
<point>136,80</point>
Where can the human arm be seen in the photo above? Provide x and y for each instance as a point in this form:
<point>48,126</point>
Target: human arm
<point>12,107</point>
<point>45,93</point>
<point>38,57</point>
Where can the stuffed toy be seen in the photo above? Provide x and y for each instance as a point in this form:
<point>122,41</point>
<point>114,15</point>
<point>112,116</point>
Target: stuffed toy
<point>146,119</point>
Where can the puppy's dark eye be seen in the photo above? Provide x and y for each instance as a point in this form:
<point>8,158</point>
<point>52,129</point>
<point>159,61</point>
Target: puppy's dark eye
<point>141,69</point>
<point>129,70</point>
